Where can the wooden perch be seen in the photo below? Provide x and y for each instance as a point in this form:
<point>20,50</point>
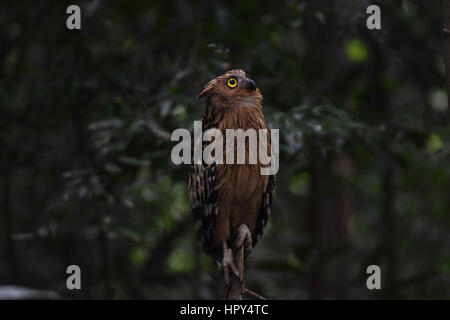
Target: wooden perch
<point>236,290</point>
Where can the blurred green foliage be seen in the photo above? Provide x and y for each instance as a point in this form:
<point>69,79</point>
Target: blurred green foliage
<point>86,118</point>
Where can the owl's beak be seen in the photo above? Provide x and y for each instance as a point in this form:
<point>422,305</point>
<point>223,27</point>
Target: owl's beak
<point>250,85</point>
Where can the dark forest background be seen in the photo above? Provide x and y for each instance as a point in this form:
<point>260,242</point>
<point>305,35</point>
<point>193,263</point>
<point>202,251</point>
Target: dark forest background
<point>85,124</point>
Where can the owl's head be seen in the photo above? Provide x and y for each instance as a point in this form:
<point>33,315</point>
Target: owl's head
<point>232,87</point>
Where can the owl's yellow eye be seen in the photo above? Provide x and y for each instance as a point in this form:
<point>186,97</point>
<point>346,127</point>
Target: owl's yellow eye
<point>232,82</point>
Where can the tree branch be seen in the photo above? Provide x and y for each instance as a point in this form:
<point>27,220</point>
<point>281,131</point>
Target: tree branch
<point>236,290</point>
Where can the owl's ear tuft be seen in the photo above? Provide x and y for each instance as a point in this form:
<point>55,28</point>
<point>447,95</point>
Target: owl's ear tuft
<point>207,89</point>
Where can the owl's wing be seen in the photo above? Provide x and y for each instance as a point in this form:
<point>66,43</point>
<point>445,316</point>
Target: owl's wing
<point>203,199</point>
<point>264,212</point>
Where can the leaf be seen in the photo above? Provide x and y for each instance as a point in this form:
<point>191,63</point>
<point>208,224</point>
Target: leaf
<point>82,192</point>
<point>130,234</point>
<point>138,256</point>
<point>181,260</point>
<point>356,50</point>
<point>320,16</point>
<point>299,184</point>
<point>112,168</point>
<point>434,143</point>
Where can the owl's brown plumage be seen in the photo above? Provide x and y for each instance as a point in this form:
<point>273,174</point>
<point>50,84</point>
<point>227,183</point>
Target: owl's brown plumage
<point>228,200</point>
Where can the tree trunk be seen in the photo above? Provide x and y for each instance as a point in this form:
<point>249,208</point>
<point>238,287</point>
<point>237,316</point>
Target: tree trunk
<point>8,220</point>
<point>390,228</point>
<point>317,221</point>
<point>446,31</point>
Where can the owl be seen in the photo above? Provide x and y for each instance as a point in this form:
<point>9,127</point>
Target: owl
<point>230,203</point>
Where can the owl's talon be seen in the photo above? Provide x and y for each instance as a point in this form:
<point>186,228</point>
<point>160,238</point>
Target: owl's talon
<point>243,237</point>
<point>229,268</point>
